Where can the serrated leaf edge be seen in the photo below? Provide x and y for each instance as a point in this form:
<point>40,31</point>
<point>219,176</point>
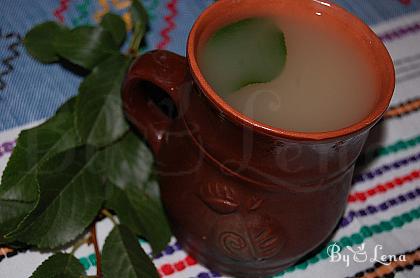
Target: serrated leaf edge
<point>17,230</point>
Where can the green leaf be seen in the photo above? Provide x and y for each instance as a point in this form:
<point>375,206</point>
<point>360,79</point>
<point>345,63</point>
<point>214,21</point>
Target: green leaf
<point>140,20</point>
<point>71,194</point>
<point>19,187</point>
<point>116,26</point>
<point>99,116</point>
<point>249,51</point>
<point>122,256</point>
<point>11,214</point>
<point>86,46</point>
<point>127,161</point>
<point>39,41</point>
<point>151,188</point>
<point>60,266</point>
<point>141,213</point>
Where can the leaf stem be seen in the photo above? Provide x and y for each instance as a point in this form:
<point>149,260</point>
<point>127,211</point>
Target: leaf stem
<point>137,37</point>
<point>79,243</point>
<point>97,252</point>
<point>109,215</point>
<point>140,19</point>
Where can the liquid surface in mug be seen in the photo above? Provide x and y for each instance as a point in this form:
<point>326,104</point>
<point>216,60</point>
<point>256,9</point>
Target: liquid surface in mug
<point>324,84</point>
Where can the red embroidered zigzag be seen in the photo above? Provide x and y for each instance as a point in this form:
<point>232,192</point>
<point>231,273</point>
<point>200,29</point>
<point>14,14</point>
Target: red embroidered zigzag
<point>58,13</point>
<point>166,39</point>
<point>405,2</point>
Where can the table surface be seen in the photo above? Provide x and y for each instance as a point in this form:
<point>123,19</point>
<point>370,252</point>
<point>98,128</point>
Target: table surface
<point>382,212</point>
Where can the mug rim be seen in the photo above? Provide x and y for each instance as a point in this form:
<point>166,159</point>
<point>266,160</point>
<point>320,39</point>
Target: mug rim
<point>234,115</point>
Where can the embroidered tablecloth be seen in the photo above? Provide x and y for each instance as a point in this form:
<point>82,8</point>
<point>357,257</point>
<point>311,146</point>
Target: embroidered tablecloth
<point>383,213</point>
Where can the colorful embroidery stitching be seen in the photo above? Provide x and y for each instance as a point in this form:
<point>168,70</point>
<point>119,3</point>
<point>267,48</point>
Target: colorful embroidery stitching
<point>14,54</point>
<point>412,259</point>
<point>59,12</point>
<point>166,39</point>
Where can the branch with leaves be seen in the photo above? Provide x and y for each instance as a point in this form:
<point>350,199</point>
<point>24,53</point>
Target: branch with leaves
<point>85,163</point>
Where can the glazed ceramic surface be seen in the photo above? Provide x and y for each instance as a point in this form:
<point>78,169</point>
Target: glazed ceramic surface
<point>244,198</point>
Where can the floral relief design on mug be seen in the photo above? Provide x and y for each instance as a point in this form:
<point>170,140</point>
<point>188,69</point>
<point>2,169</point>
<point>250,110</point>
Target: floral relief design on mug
<point>254,203</point>
<point>243,233</point>
<point>248,237</point>
<point>232,243</point>
<point>220,198</point>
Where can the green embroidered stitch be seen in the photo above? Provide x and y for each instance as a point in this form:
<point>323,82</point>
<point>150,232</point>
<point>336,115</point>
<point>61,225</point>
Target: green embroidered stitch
<point>83,17</point>
<point>357,238</point>
<point>152,9</point>
<point>386,150</point>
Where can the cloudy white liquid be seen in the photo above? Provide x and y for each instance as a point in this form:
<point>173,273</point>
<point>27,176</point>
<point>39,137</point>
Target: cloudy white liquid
<point>325,85</point>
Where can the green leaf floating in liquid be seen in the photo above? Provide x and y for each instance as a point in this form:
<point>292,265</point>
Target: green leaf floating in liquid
<point>246,52</point>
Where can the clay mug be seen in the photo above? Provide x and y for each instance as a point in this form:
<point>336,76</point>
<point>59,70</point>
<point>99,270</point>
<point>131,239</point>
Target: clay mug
<point>242,197</point>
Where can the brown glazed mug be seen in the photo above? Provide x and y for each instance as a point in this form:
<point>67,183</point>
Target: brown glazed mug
<point>242,197</point>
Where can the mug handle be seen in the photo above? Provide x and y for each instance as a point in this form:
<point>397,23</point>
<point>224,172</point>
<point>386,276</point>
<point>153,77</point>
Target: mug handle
<point>167,71</point>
